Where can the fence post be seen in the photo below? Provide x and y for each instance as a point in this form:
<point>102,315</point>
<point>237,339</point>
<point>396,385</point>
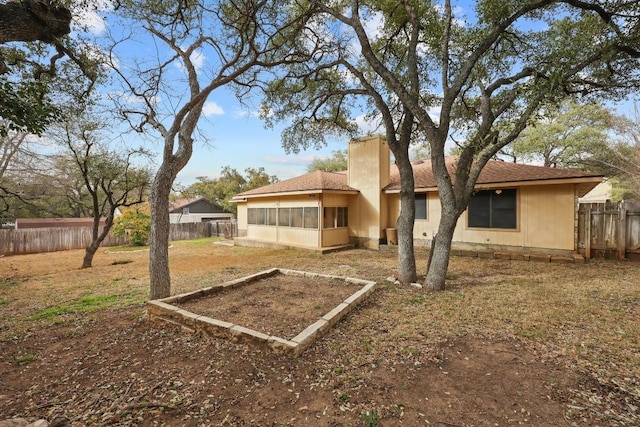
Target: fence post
<point>587,232</point>
<point>622,230</point>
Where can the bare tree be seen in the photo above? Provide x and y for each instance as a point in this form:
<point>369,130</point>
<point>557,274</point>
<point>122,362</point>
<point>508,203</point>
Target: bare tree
<point>19,158</point>
<point>109,176</point>
<point>488,73</point>
<point>238,39</point>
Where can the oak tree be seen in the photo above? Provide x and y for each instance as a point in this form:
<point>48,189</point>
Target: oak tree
<point>337,162</point>
<point>220,190</point>
<point>111,177</point>
<point>487,71</point>
<point>235,40</point>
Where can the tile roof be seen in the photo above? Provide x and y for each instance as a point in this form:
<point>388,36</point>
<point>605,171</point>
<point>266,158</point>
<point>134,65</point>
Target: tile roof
<point>494,172</point>
<point>313,181</point>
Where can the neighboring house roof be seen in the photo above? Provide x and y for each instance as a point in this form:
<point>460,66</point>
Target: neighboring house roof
<point>196,205</point>
<point>313,182</point>
<point>600,193</point>
<point>495,172</point>
<point>182,203</point>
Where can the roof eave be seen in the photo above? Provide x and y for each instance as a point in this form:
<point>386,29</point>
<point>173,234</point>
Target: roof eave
<point>595,180</point>
<point>551,181</point>
<point>245,197</point>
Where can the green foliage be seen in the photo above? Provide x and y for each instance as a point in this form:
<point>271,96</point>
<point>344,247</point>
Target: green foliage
<point>134,223</point>
<point>371,418</point>
<point>26,106</point>
<point>231,182</point>
<point>574,135</point>
<point>86,305</point>
<point>488,69</point>
<point>335,163</point>
<point>587,137</point>
<point>24,359</point>
<point>44,70</point>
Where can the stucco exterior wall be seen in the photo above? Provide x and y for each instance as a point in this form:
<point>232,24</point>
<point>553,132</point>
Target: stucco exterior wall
<point>242,219</point>
<point>335,236</point>
<point>369,161</point>
<point>546,220</point>
<point>336,200</point>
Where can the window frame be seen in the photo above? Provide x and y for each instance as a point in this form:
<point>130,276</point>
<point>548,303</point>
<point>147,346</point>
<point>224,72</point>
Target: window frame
<point>493,215</point>
<point>421,196</point>
<point>339,217</point>
<point>305,217</point>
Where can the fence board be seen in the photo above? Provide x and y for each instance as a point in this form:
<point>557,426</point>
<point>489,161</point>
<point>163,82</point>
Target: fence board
<point>609,230</point>
<point>37,240</point>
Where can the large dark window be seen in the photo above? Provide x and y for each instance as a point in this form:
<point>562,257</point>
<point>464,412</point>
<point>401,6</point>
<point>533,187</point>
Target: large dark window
<point>421,206</point>
<point>493,209</point>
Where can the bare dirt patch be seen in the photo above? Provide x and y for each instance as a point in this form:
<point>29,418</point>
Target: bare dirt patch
<point>280,305</point>
<point>509,343</point>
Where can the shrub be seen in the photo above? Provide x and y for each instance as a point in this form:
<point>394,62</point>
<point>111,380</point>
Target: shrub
<point>135,224</point>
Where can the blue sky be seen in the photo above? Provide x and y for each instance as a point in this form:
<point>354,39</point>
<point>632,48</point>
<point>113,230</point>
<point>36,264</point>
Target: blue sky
<point>239,139</point>
<point>235,136</point>
<point>229,134</point>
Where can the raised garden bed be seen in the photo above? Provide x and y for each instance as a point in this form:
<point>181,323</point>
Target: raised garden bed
<point>278,309</point>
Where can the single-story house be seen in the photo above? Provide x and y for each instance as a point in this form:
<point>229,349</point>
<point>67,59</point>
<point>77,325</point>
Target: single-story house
<point>197,210</point>
<point>516,207</point>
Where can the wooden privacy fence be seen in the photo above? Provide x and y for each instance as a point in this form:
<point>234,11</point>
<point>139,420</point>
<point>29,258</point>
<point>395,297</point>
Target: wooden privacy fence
<point>195,230</point>
<point>609,230</point>
<point>37,240</point>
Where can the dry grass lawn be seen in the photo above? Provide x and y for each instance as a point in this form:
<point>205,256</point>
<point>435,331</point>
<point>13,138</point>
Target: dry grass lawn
<point>508,343</point>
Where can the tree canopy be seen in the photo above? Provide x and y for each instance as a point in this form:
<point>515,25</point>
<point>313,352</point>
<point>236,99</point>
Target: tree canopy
<point>36,53</point>
<point>473,72</point>
<point>573,136</point>
<point>167,89</point>
<point>337,162</point>
<point>230,182</point>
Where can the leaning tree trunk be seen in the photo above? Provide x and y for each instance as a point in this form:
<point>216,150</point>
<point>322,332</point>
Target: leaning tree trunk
<point>159,276</point>
<point>96,240</point>
<point>89,252</point>
<point>406,254</point>
<point>441,251</point>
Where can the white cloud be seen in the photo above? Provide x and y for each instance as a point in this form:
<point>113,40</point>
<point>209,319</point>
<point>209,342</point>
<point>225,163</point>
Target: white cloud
<point>242,113</point>
<point>289,160</point>
<point>89,18</point>
<point>212,109</point>
<point>373,25</point>
<point>197,59</point>
<point>368,124</point>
